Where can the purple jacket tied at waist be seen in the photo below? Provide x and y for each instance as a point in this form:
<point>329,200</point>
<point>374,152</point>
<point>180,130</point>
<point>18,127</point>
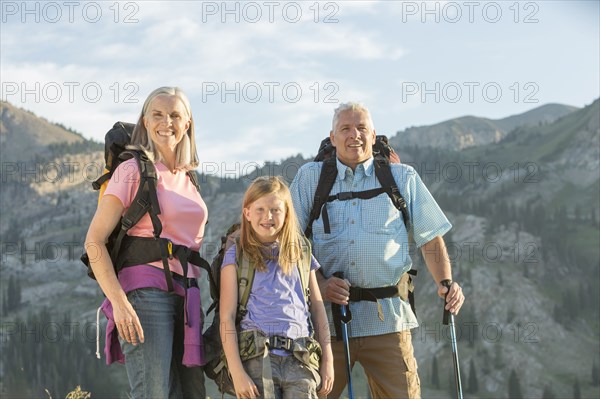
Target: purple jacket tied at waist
<point>144,276</point>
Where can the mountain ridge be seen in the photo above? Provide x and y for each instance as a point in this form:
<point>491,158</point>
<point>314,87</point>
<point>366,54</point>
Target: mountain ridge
<point>470,131</point>
<point>23,135</point>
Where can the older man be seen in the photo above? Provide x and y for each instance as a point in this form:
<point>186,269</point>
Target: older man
<point>367,241</point>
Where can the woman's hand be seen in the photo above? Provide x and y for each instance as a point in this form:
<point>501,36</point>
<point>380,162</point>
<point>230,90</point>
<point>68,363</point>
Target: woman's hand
<point>127,323</point>
<point>107,216</point>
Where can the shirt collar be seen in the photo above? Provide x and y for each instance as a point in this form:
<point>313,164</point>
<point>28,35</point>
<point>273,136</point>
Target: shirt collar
<point>366,167</point>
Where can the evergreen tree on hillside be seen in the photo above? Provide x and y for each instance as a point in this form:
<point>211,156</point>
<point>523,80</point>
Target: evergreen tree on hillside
<point>487,362</point>
<point>548,393</point>
<point>54,355</point>
<point>4,307</point>
<point>514,386</point>
<point>452,384</point>
<point>499,356</point>
<point>473,385</point>
<point>435,377</point>
<point>595,376</point>
<point>13,296</point>
<point>576,389</point>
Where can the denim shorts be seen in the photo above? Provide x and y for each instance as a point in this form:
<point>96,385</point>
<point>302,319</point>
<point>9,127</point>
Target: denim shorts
<point>291,378</point>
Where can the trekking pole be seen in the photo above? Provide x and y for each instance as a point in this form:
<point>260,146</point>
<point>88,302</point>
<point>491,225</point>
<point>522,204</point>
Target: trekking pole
<point>345,317</point>
<point>448,320</point>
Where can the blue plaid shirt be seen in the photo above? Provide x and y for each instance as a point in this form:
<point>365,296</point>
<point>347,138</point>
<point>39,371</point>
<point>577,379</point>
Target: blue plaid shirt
<point>368,241</point>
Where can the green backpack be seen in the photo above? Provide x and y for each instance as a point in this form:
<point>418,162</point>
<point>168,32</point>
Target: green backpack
<point>251,343</point>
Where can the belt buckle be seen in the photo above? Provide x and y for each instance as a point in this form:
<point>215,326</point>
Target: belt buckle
<point>282,343</point>
<point>345,196</point>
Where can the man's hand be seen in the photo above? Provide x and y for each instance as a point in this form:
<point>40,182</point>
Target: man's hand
<point>334,289</point>
<point>455,298</point>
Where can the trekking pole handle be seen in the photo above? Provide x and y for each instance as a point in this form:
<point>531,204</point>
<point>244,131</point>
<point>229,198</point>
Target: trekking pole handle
<point>447,284</point>
<point>345,313</point>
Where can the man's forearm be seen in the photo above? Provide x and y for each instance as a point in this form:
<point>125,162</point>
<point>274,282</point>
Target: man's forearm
<point>437,259</point>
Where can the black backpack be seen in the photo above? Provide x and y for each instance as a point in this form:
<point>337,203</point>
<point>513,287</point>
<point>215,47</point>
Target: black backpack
<point>383,155</point>
<point>127,250</point>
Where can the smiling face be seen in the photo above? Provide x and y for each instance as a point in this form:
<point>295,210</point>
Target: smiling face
<point>353,137</point>
<point>266,216</point>
<point>166,121</point>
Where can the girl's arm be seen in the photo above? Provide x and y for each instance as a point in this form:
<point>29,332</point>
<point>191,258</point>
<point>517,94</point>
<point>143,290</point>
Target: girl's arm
<point>243,384</point>
<point>321,325</point>
<point>105,219</point>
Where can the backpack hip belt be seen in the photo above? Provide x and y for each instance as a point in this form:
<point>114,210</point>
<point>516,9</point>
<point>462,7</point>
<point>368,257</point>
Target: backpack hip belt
<point>404,289</point>
<point>254,343</point>
<point>143,250</point>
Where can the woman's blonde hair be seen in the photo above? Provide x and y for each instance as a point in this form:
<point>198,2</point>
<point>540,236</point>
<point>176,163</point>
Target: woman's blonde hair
<point>186,157</point>
<point>290,236</point>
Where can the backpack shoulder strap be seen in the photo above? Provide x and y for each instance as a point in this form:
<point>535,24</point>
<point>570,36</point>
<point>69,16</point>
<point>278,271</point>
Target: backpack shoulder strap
<point>148,184</point>
<point>141,203</point>
<point>383,171</point>
<point>245,273</point>
<point>145,201</point>
<point>304,268</point>
<point>194,179</point>
<point>326,181</point>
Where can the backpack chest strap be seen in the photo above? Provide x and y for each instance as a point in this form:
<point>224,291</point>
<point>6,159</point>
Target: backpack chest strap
<point>345,196</point>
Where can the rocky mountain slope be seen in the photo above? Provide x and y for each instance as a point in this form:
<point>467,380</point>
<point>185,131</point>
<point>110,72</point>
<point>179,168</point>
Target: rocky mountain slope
<point>525,212</point>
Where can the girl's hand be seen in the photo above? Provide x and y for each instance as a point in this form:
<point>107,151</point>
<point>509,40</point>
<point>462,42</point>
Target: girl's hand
<point>326,372</point>
<point>244,386</point>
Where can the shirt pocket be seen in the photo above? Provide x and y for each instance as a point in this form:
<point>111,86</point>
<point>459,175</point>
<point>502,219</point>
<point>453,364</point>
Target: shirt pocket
<point>380,216</point>
<point>338,220</point>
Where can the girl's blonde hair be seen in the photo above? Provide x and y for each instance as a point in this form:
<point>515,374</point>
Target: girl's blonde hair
<point>290,236</point>
<point>186,156</point>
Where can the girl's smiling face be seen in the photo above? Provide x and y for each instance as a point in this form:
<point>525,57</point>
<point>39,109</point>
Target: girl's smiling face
<point>266,215</point>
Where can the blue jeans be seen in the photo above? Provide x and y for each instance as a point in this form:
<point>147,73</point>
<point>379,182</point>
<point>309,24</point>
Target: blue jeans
<point>154,367</point>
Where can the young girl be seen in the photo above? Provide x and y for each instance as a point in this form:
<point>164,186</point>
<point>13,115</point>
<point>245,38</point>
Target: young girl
<point>276,307</point>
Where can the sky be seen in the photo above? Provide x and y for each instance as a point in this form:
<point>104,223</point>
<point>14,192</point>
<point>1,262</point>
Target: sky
<point>264,77</point>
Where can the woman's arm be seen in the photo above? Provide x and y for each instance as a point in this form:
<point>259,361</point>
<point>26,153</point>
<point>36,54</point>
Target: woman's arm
<point>322,335</point>
<point>105,219</point>
<point>243,384</point>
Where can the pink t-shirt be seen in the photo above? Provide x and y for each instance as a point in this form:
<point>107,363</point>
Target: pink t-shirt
<point>183,211</point>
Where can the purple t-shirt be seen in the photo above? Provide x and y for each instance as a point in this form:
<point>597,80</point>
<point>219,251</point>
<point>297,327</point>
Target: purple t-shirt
<point>276,305</point>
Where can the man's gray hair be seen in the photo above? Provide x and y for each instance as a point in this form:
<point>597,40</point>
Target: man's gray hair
<point>350,106</point>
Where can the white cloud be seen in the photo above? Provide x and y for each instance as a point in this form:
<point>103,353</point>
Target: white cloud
<point>365,56</point>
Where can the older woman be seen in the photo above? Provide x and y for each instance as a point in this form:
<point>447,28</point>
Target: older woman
<point>150,318</point>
